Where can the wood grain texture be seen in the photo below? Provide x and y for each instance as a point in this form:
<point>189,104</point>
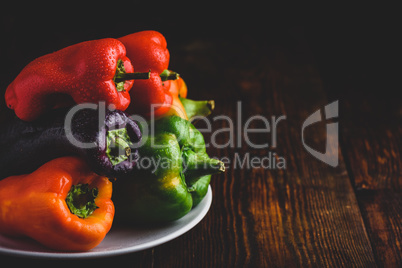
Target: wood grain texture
<point>381,211</point>
<point>373,143</point>
<point>372,147</point>
<point>370,113</point>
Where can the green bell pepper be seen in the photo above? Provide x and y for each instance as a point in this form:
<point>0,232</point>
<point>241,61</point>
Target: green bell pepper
<point>173,174</point>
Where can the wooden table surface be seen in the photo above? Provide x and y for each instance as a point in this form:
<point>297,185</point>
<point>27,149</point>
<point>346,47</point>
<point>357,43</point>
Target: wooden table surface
<point>305,212</point>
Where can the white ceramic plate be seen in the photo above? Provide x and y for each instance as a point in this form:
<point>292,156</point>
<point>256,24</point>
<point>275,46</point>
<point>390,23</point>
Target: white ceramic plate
<point>118,241</point>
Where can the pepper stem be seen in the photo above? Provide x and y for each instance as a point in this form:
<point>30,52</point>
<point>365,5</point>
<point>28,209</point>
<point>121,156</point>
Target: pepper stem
<point>118,145</point>
<point>196,166</point>
<point>121,76</point>
<point>81,200</point>
<point>197,108</point>
<point>169,75</point>
<point>165,75</point>
<point>131,76</point>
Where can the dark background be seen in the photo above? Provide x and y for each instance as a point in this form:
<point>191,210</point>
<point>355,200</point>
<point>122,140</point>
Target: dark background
<point>355,47</point>
<point>221,52</point>
<point>349,43</point>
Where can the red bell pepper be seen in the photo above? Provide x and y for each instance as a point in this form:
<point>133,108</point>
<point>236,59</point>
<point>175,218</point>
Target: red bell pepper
<point>90,71</point>
<point>148,51</point>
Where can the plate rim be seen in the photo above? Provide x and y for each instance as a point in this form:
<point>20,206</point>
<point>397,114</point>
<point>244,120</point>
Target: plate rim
<point>206,202</point>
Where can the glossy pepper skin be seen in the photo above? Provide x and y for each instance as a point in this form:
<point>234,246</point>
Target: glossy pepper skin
<point>80,73</point>
<point>36,205</point>
<point>148,51</point>
<point>173,176</point>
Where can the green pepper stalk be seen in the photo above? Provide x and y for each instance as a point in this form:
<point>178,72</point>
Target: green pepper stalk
<point>195,109</point>
<point>173,174</point>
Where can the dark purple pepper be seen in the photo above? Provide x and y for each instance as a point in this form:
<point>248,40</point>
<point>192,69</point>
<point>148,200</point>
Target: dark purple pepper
<point>115,120</point>
<point>25,146</point>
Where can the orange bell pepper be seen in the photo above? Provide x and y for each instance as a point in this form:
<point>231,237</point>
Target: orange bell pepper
<point>181,87</point>
<point>62,205</point>
<point>177,89</point>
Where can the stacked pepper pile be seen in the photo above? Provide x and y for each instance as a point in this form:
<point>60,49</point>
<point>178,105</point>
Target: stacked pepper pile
<point>65,152</point>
